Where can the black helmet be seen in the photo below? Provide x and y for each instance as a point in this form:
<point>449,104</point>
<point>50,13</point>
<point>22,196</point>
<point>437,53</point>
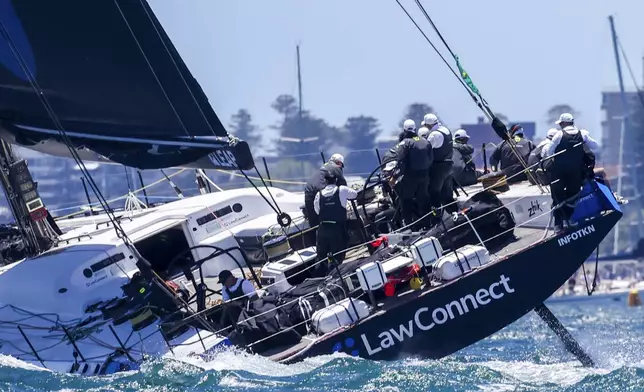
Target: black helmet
<point>516,129</point>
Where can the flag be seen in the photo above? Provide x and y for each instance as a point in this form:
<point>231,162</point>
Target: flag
<point>466,77</point>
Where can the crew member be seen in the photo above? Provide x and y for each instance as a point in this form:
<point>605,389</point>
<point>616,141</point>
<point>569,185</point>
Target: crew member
<point>572,161</point>
<point>504,159</point>
<point>535,161</point>
<point>240,291</point>
<point>415,157</point>
<point>441,184</point>
<point>566,121</point>
<point>423,132</point>
<point>464,170</point>
<point>331,205</point>
<point>335,166</point>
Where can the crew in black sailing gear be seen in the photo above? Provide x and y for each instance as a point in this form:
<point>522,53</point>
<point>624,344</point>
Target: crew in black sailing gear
<point>239,292</point>
<point>331,205</point>
<point>464,170</point>
<point>504,159</point>
<point>414,156</point>
<point>537,165</point>
<point>441,183</point>
<point>335,167</point>
<point>572,162</point>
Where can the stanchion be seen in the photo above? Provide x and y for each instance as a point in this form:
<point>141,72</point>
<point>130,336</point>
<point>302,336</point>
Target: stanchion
<point>123,349</point>
<point>71,340</point>
<point>33,350</point>
<point>89,200</point>
<point>145,194</point>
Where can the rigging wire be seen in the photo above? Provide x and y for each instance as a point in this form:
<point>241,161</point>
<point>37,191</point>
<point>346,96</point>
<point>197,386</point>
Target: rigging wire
<point>472,90</point>
<point>282,217</point>
<point>402,7</point>
<point>156,77</point>
<point>101,343</point>
<point>185,82</point>
<point>630,71</point>
<point>127,178</point>
<point>50,112</point>
<point>69,145</point>
<point>74,154</point>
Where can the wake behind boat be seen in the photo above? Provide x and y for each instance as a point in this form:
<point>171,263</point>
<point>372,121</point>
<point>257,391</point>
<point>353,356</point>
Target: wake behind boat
<point>108,295</point>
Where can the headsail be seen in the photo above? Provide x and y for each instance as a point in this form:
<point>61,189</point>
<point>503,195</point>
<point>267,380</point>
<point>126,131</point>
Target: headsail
<point>115,82</point>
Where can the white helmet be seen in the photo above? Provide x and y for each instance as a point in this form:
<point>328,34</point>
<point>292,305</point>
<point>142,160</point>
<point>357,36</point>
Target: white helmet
<point>337,158</point>
<point>423,132</point>
<point>461,134</point>
<point>565,118</point>
<point>409,125</point>
<point>430,119</point>
<point>551,133</point>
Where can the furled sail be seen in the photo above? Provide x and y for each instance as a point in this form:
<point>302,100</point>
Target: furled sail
<point>114,82</point>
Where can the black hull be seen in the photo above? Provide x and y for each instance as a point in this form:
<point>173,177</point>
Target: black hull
<point>520,283</point>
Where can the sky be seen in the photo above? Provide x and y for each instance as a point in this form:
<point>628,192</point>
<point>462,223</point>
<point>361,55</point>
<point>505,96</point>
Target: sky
<point>366,57</point>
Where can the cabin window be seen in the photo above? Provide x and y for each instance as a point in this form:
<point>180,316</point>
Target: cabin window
<point>161,248</point>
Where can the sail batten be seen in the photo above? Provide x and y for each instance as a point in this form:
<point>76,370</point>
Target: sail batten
<point>111,75</point>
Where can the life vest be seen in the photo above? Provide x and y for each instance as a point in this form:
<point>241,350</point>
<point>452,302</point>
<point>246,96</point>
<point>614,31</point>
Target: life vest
<point>331,209</point>
<point>445,151</point>
<point>238,293</point>
<point>569,153</point>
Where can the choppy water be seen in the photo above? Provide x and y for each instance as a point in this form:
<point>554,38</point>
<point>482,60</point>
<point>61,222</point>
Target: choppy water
<point>523,357</point>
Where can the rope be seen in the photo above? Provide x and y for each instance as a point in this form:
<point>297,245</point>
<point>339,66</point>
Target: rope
<point>630,71</point>
<point>196,315</point>
<point>125,196</point>
<point>165,46</point>
<point>211,182</point>
<point>465,81</point>
<point>591,290</point>
<point>436,50</point>
<point>74,154</point>
<point>259,179</point>
<point>154,74</point>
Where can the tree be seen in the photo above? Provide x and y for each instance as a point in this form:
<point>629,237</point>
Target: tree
<point>416,111</point>
<point>361,132</point>
<point>555,111</point>
<point>301,133</point>
<point>242,127</point>
<point>286,105</point>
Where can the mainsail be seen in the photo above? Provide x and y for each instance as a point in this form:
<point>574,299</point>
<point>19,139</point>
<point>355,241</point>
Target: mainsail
<point>115,83</point>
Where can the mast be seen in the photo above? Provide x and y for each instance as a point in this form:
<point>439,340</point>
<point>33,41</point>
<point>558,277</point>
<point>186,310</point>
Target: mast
<point>299,81</point>
<point>23,199</point>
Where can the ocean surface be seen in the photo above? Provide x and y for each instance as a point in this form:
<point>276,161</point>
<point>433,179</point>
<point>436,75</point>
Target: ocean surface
<point>525,356</point>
